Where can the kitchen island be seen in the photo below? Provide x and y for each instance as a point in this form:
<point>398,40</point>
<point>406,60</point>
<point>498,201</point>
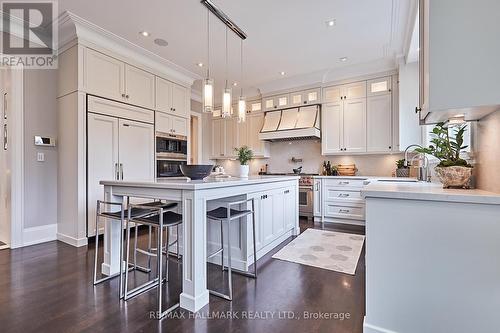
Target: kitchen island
<point>276,211</point>
<point>431,258</point>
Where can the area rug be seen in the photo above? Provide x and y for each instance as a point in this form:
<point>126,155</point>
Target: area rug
<point>335,251</point>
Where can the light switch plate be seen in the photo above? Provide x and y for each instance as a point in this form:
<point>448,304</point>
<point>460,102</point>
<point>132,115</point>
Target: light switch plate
<point>40,157</point>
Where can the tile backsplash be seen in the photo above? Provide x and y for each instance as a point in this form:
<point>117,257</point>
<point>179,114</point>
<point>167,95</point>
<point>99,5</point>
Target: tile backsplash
<point>312,160</point>
<point>487,150</point>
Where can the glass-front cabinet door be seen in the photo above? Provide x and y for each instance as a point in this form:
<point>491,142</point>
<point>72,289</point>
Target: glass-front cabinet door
<point>379,86</point>
<point>311,96</point>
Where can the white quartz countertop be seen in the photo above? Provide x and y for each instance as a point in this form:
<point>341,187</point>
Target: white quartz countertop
<point>428,192</point>
<point>182,183</point>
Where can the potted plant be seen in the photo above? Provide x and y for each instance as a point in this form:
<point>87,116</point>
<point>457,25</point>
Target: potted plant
<point>245,154</point>
<point>402,169</point>
<point>452,170</point>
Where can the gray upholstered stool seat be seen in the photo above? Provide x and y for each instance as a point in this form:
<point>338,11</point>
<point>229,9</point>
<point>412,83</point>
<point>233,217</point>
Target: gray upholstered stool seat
<point>221,213</point>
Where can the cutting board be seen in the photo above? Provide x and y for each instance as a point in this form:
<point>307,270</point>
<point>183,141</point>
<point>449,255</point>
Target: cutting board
<point>347,169</point>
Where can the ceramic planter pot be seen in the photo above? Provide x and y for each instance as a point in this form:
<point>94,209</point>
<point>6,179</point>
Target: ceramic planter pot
<point>403,172</point>
<point>244,169</point>
<point>454,176</point>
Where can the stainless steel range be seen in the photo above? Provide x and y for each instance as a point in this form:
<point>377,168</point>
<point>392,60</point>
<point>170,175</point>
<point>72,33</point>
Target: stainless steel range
<point>306,184</point>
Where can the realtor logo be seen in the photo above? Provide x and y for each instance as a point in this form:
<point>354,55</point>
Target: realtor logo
<point>29,34</point>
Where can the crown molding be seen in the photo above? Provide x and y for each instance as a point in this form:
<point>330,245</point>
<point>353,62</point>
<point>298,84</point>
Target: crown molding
<point>74,29</point>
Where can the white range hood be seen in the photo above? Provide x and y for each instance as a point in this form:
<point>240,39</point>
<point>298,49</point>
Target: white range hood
<point>292,124</point>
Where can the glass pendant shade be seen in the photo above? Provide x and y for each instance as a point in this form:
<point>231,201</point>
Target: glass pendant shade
<point>208,95</point>
<point>242,112</point>
<point>226,102</point>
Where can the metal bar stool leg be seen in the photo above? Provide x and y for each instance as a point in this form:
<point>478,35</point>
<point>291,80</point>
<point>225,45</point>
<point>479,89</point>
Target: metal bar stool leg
<point>254,240</point>
<point>98,211</point>
<point>222,244</point>
<point>229,254</point>
<point>159,257</point>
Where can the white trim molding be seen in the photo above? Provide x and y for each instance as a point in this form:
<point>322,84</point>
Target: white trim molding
<point>77,242</point>
<point>40,234</point>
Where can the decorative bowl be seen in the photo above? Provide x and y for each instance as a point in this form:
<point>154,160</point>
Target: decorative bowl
<point>196,171</point>
<point>454,176</point>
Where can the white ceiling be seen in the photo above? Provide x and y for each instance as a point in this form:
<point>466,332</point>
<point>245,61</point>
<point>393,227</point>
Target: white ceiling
<point>283,35</point>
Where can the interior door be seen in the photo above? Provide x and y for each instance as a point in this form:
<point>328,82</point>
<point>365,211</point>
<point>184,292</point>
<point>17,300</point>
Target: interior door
<point>136,150</point>
<point>332,128</point>
<point>104,75</point>
<point>102,160</point>
<point>140,87</point>
<point>355,125</point>
<point>379,123</point>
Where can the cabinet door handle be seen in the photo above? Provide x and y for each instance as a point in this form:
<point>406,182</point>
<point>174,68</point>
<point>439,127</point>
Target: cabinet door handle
<point>121,170</point>
<point>316,187</point>
<point>5,137</point>
<point>123,95</point>
<point>287,191</point>
<point>344,210</point>
<point>344,195</point>
<point>127,96</point>
<point>117,172</point>
<point>418,109</point>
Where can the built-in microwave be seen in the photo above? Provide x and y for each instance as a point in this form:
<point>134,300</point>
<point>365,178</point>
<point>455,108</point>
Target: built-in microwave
<point>168,168</point>
<point>171,146</point>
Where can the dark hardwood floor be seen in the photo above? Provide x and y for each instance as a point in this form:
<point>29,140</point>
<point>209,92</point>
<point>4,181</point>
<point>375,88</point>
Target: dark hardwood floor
<point>47,288</point>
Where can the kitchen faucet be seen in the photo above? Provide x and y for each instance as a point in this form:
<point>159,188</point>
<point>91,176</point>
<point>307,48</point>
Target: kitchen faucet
<point>423,174</point>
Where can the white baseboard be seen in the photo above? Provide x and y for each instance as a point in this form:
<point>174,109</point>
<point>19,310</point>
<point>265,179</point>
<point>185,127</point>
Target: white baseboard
<point>77,242</point>
<point>368,328</point>
<point>41,234</point>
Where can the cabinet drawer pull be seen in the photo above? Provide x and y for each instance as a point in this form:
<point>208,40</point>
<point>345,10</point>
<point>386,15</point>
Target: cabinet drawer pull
<point>286,191</point>
<point>344,195</point>
<point>344,183</point>
<point>344,210</point>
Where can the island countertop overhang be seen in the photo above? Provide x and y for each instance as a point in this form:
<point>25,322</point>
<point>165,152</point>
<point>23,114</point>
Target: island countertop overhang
<point>208,183</point>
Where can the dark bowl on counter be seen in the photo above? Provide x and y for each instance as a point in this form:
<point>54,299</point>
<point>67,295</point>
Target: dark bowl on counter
<point>196,171</point>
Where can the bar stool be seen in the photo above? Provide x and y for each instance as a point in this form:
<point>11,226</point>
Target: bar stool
<point>160,219</point>
<point>227,214</point>
<point>120,215</point>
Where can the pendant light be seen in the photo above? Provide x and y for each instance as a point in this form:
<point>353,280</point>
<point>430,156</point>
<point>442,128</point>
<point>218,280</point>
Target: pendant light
<point>226,94</point>
<point>242,104</point>
<point>208,83</point>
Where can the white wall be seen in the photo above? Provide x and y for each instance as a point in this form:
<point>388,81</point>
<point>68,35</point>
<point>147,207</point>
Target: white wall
<point>40,178</point>
<point>312,160</point>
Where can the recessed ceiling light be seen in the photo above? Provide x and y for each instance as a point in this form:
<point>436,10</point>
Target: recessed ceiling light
<point>144,33</point>
<point>160,42</point>
<point>200,64</point>
<point>235,84</point>
<point>343,59</point>
<point>330,23</point>
<point>282,73</point>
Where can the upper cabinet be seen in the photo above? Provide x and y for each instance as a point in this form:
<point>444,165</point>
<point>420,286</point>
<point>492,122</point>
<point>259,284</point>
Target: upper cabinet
<point>139,87</point>
<point>171,98</point>
<point>345,91</point>
<point>108,77</point>
<point>380,86</point>
<point>294,99</point>
<point>103,75</point>
<point>458,62</point>
<point>170,124</point>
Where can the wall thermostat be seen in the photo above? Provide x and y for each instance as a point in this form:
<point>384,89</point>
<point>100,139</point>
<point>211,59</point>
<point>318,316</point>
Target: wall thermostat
<point>44,141</point>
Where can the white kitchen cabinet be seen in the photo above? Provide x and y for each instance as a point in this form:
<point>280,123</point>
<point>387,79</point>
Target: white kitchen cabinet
<point>379,123</point>
<point>311,96</point>
<point>103,75</point>
<point>278,211</point>
<point>332,135</point>
<point>379,86</point>
<point>296,98</point>
<point>254,123</point>
<point>224,138</point>
<point>171,98</point>
<point>317,197</point>
<point>139,87</point>
<point>354,119</point>
<point>267,206</point>
<point>254,106</point>
<point>167,123</point>
<point>136,150</point>
<point>116,149</point>
<point>102,160</point>
<point>277,102</point>
<point>290,197</point>
<point>343,92</point>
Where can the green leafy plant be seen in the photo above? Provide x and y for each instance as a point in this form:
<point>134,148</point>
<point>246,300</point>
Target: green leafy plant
<point>401,164</point>
<point>245,154</point>
<point>446,147</point>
